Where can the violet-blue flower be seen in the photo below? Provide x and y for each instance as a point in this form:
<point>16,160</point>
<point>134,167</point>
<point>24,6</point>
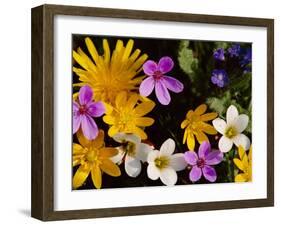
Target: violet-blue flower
<point>157,78</point>
<point>203,162</point>
<point>84,110</point>
<point>219,54</point>
<point>234,50</point>
<point>219,78</point>
<point>247,57</point>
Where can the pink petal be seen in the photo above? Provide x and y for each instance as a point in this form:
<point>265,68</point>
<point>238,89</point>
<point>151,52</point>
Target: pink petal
<point>204,149</point>
<point>76,123</point>
<point>147,86</point>
<point>214,157</point>
<point>85,95</point>
<point>195,174</point>
<point>162,93</point>
<point>165,64</point>
<point>149,67</point>
<point>89,127</point>
<point>96,109</point>
<point>76,120</point>
<point>191,157</point>
<point>209,173</point>
<point>172,84</point>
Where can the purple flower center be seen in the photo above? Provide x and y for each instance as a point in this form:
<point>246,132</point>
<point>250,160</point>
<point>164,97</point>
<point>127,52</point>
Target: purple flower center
<point>157,75</point>
<point>200,163</point>
<point>82,109</point>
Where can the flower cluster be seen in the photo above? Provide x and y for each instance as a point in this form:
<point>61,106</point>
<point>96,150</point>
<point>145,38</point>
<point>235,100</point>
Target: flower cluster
<point>114,118</point>
<point>220,77</point>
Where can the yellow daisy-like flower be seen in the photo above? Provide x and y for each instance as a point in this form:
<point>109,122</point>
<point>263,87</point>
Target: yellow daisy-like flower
<point>244,163</point>
<point>93,158</point>
<point>195,126</point>
<point>109,74</point>
<point>127,115</point>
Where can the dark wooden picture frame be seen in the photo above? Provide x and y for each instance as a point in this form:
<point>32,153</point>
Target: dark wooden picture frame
<point>42,203</point>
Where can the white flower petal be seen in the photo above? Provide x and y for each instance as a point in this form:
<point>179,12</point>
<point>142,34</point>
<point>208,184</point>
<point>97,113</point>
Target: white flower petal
<point>168,147</point>
<point>219,125</point>
<point>242,140</point>
<point>153,172</point>
<point>152,156</point>
<point>177,162</point>
<point>241,122</point>
<point>231,114</point>
<point>168,176</point>
<point>225,144</point>
<point>119,137</point>
<point>133,138</point>
<point>119,157</point>
<point>132,166</point>
<point>142,151</point>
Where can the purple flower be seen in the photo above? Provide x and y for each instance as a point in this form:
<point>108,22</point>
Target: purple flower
<point>203,162</point>
<point>219,78</point>
<point>84,111</point>
<point>247,57</point>
<point>157,78</point>
<point>234,50</point>
<point>219,54</point>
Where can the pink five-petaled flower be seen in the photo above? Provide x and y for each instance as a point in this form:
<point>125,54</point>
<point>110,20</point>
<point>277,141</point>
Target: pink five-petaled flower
<point>157,78</point>
<point>203,162</point>
<point>84,110</point>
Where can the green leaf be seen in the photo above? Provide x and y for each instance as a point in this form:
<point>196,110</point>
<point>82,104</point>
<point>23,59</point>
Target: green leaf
<point>188,63</point>
<point>223,45</point>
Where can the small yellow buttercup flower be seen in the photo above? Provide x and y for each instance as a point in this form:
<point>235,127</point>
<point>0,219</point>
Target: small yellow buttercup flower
<point>110,73</point>
<point>195,126</point>
<point>244,163</point>
<point>126,115</point>
<point>93,158</point>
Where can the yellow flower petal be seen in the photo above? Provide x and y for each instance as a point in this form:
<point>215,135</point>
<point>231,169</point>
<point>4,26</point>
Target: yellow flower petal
<point>113,130</point>
<point>138,131</point>
<point>82,139</point>
<point>110,168</point>
<point>77,149</point>
<point>121,100</point>
<point>80,176</point>
<point>128,50</point>
<point>184,124</point>
<point>92,49</point>
<point>79,59</point>
<point>99,141</point>
<point>200,109</point>
<point>137,64</point>
<point>144,108</point>
<point>201,137</point>
<point>96,176</point>
<point>132,101</point>
<point>239,164</point>
<point>108,152</point>
<point>190,141</point>
<point>207,128</point>
<point>106,50</point>
<point>144,121</point>
<point>241,178</point>
<point>109,119</point>
<point>209,116</point>
<point>185,136</point>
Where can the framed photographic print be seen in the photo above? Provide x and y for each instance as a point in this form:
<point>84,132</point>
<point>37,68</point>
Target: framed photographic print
<point>140,112</point>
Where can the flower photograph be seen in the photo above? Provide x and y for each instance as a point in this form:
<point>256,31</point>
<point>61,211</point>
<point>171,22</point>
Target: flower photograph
<point>160,112</point>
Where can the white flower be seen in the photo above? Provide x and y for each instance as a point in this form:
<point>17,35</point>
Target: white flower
<point>164,164</point>
<point>133,151</point>
<point>232,130</point>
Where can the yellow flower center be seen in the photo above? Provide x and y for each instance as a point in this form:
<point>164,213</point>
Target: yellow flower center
<point>130,148</point>
<point>125,120</point>
<point>230,132</point>
<point>161,162</point>
<point>93,156</point>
